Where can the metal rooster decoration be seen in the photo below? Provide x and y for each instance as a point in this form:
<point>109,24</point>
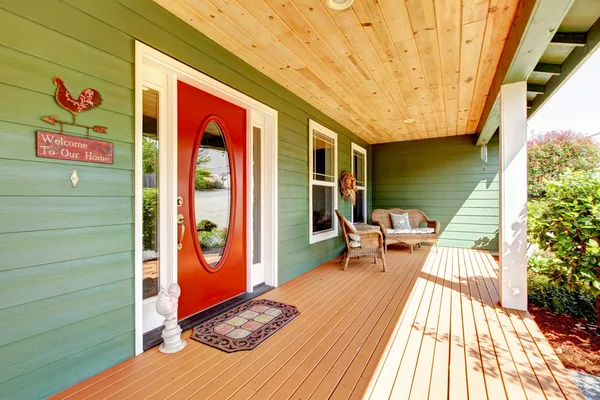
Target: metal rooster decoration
<point>88,99</point>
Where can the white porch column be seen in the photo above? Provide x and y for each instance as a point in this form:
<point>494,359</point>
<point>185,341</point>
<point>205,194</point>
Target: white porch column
<point>513,195</point>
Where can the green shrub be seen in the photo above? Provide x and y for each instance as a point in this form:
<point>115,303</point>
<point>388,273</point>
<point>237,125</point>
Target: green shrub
<point>206,226</point>
<point>566,223</point>
<point>553,153</point>
<point>545,293</point>
<point>212,239</point>
<point>150,218</point>
<point>203,181</point>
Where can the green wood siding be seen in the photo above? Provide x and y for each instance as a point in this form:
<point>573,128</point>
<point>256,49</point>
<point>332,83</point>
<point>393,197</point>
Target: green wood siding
<point>66,269</point>
<point>443,177</point>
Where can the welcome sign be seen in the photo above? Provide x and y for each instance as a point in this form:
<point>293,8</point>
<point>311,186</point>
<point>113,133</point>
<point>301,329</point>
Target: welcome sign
<point>73,148</point>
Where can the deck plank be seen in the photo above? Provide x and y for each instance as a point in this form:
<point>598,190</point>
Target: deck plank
<point>429,328</point>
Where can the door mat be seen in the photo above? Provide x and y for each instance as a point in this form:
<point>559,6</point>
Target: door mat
<point>245,326</point>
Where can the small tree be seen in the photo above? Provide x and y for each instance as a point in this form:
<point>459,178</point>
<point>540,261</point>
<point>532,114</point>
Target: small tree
<point>552,153</point>
<point>567,223</point>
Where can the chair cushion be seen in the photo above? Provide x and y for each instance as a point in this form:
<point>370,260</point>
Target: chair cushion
<point>400,221</point>
<point>354,240</point>
<point>411,231</point>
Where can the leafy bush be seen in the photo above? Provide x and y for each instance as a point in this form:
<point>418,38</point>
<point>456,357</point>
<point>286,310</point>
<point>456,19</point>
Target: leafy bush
<point>542,291</point>
<point>204,181</point>
<point>150,217</point>
<point>567,223</point>
<point>551,154</point>
<point>206,226</point>
<point>212,239</point>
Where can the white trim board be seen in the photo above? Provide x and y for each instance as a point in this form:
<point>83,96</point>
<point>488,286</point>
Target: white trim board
<point>356,148</point>
<point>146,56</point>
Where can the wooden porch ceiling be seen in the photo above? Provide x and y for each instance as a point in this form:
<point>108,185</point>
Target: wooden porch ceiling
<point>429,328</point>
<point>373,67</point>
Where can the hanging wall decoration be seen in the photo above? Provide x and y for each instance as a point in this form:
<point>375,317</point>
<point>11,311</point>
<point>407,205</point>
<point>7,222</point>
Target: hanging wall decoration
<point>348,187</point>
<point>74,148</point>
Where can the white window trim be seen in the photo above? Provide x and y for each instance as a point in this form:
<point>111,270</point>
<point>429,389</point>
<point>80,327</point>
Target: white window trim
<point>356,148</point>
<point>312,126</point>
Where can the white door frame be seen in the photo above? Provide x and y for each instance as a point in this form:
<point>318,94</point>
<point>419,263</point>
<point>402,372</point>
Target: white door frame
<point>257,114</point>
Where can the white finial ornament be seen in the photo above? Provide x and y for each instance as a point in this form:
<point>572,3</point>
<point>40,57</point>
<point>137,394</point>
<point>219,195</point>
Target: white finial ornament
<point>166,305</point>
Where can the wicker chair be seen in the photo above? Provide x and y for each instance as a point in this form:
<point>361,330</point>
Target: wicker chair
<point>371,241</point>
<point>415,217</point>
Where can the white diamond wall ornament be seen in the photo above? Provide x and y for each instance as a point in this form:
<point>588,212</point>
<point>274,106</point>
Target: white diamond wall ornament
<point>166,305</point>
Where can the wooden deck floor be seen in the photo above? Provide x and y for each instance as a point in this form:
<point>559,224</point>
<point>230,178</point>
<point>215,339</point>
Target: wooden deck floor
<point>428,328</point>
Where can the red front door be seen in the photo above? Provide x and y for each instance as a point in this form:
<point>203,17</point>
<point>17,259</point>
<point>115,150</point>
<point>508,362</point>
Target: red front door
<point>211,184</point>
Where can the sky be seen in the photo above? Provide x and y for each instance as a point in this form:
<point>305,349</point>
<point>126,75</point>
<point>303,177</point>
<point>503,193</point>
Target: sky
<point>576,106</point>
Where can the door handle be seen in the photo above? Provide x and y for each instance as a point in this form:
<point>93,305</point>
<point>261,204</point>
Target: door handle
<point>180,219</point>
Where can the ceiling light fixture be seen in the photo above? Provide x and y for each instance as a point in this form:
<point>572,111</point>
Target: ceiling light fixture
<point>410,121</point>
<point>339,5</point>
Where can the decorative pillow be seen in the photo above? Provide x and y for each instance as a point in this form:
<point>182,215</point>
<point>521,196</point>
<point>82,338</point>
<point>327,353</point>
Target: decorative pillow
<point>354,240</point>
<point>351,228</point>
<point>400,221</point>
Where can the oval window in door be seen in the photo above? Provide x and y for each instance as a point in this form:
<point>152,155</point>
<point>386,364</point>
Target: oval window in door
<point>212,194</point>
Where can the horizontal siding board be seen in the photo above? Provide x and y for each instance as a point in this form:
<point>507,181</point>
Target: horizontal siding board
<point>20,357</point>
<point>293,192</point>
<point>53,46</point>
<point>290,164</point>
<point>299,231</point>
<point>62,245</point>
<point>22,214</point>
<point>450,186</point>
<point>27,320</point>
<point>293,178</point>
<point>26,285</point>
<point>51,378</point>
<point>24,178</point>
<point>86,29</point>
<point>440,187</point>
<point>293,151</point>
<point>18,143</point>
<point>294,204</point>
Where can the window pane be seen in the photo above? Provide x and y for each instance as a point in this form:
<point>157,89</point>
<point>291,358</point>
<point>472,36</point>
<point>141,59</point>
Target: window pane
<point>256,194</point>
<point>212,194</point>
<point>323,168</point>
<point>322,199</point>
<point>358,212</point>
<point>150,228</point>
<point>359,168</point>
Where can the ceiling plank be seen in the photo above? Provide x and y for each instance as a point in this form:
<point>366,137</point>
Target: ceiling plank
<point>496,32</point>
<point>533,28</point>
<point>472,42</point>
<point>448,15</point>
<point>569,66</point>
<point>422,16</point>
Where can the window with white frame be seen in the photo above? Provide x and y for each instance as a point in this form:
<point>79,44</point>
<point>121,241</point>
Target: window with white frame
<point>323,182</point>
<point>359,170</point>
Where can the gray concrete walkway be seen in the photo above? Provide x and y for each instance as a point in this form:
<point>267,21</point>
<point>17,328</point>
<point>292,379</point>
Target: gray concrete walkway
<point>588,384</point>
